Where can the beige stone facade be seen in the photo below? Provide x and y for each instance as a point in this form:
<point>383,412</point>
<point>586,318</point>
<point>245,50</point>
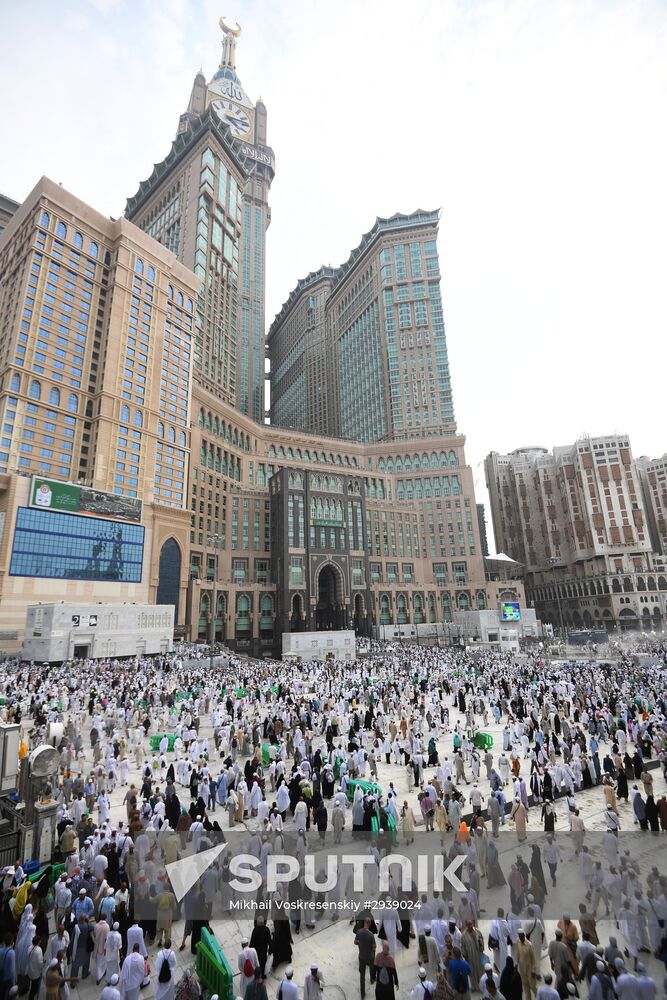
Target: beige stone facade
<point>420,558</point>
<point>577,522</point>
<point>95,380</point>
<point>653,477</point>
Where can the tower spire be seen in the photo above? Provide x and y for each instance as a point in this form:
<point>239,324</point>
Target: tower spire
<point>229,44</point>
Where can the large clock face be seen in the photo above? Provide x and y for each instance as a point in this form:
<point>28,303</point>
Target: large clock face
<point>234,116</point>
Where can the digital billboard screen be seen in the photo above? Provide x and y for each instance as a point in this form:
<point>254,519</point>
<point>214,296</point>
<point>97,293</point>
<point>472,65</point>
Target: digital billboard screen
<point>510,611</point>
<point>60,546</point>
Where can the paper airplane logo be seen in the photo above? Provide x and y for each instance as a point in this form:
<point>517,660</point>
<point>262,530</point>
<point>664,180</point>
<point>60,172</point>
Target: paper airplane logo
<point>184,873</point>
<point>450,874</point>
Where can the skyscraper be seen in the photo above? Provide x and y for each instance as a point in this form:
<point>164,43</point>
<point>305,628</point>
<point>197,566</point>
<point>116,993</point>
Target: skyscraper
<point>297,346</point>
<point>91,310</point>
<point>208,202</point>
<point>379,317</point>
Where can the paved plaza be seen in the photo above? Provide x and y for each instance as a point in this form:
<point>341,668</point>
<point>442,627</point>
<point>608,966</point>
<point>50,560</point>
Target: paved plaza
<point>330,943</point>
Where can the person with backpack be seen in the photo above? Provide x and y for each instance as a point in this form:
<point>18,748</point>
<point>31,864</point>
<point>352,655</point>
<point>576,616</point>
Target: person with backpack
<point>165,966</point>
<point>423,989</point>
<point>247,963</point>
<point>35,968</point>
<point>459,971</point>
<point>256,988</point>
<point>386,977</point>
<point>602,985</point>
<point>287,988</point>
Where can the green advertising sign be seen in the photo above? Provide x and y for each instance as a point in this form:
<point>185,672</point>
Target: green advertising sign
<point>55,496</point>
<point>50,494</point>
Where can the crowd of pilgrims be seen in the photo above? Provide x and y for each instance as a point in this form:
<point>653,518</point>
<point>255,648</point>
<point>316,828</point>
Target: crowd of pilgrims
<point>267,750</point>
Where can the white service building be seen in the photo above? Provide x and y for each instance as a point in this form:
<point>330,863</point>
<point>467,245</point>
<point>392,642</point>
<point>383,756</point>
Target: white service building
<point>307,646</point>
<point>64,631</point>
<point>488,627</point>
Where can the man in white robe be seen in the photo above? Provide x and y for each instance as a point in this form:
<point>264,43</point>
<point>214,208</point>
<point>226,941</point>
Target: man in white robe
<point>132,974</point>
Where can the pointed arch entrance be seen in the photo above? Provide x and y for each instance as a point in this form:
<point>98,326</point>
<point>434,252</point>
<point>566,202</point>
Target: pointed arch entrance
<point>297,617</point>
<point>330,608</point>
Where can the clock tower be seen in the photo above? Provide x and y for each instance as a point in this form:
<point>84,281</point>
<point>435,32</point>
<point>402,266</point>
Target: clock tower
<point>225,92</point>
<point>245,124</point>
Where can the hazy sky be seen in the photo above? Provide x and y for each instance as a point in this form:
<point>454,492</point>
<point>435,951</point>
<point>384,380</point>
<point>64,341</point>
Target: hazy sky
<point>538,126</point>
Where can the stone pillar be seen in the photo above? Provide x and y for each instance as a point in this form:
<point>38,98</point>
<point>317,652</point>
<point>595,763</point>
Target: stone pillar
<point>45,833</point>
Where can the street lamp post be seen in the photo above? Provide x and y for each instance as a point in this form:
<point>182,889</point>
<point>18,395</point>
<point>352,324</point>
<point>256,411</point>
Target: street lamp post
<point>213,540</point>
<point>553,562</point>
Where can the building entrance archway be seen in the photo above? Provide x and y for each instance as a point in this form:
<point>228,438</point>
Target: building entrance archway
<point>330,609</point>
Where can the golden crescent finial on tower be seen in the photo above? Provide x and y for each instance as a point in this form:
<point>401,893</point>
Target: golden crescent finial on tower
<point>230,31</point>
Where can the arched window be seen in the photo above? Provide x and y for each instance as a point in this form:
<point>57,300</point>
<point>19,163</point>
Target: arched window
<point>463,602</point>
<point>182,439</point>
<point>139,266</point>
<point>188,305</point>
<point>138,419</point>
<point>107,258</point>
<point>169,575</point>
<point>160,429</point>
<point>35,391</point>
<point>150,273</point>
<point>93,250</point>
<point>73,403</point>
<point>125,414</point>
<point>171,435</point>
<point>170,292</point>
<point>78,241</point>
<point>54,396</point>
<point>61,230</point>
<point>418,601</point>
<point>16,382</point>
<point>44,219</point>
<point>179,298</point>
